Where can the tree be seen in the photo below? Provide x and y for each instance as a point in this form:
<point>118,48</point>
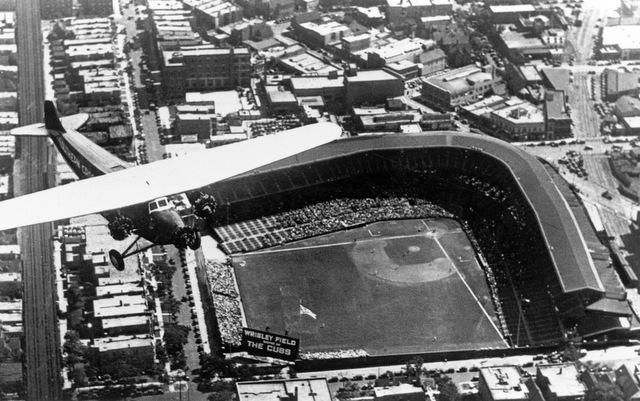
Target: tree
<point>117,367</point>
<point>161,352</point>
<point>79,377</point>
<point>175,337</point>
<point>212,365</point>
<point>225,395</point>
<point>603,391</point>
<point>171,305</point>
<point>571,353</point>
<point>414,367</point>
<point>74,349</point>
<point>448,389</point>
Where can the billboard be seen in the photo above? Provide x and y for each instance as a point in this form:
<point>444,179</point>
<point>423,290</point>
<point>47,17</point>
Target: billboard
<point>263,343</point>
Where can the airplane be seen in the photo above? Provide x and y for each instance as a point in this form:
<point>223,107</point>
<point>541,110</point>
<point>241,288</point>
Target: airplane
<point>138,199</point>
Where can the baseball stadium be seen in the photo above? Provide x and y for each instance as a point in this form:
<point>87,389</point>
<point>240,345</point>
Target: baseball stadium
<point>398,244</point>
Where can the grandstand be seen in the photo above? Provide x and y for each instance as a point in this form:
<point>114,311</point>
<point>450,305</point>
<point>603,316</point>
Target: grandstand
<point>536,260</point>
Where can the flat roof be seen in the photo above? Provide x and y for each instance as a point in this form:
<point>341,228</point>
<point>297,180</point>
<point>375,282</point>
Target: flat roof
<point>118,289</point>
<point>398,390</point>
<point>308,64</point>
<point>315,389</point>
<point>372,75</point>
<point>280,96</point>
<point>402,47</point>
<point>557,77</point>
<point>563,239</point>
<point>409,3</point>
<point>556,106</point>
<point>112,322</point>
<point>563,380</point>
<point>120,342</point>
<point>458,80</point>
<point>625,37</point>
<point>632,122</point>
<point>325,28</point>
<point>516,8</point>
<point>530,73</point>
<point>504,383</point>
<point>527,113</point>
<point>302,83</point>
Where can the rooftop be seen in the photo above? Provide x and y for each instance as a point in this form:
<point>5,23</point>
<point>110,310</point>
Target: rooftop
<point>306,63</point>
<point>557,77</point>
<point>524,113</point>
<point>280,96</point>
<point>504,382</point>
<point>371,75</point>
<point>118,289</point>
<point>305,83</point>
<point>113,322</point>
<point>315,389</point>
<point>628,105</point>
<point>460,79</point>
<point>325,28</point>
<point>402,47</point>
<point>530,73</point>
<point>517,8</point>
<point>563,380</point>
<point>556,107</point>
<point>622,36</point>
<point>398,390</point>
<point>409,3</point>
<point>121,342</point>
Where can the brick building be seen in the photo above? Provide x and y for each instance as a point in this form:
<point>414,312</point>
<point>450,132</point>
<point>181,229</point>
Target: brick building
<point>204,68</point>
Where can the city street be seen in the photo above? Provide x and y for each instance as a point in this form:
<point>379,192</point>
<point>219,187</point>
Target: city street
<point>612,358</point>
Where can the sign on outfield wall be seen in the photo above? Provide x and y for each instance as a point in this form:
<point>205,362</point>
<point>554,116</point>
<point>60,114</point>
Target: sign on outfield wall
<point>263,343</point>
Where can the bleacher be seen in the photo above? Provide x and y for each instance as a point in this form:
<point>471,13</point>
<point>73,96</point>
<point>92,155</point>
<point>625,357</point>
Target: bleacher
<point>275,207</point>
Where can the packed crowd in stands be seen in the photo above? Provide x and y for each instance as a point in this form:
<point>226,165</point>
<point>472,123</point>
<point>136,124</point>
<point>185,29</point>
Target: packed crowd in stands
<point>220,278</point>
<point>324,217</point>
<point>348,353</point>
<point>225,301</point>
<point>229,317</point>
<point>479,193</point>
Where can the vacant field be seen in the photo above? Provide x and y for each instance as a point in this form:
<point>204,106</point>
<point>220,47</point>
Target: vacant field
<point>390,287</point>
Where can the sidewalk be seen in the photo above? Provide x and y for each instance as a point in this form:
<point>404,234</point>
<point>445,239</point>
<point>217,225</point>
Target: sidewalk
<point>189,389</point>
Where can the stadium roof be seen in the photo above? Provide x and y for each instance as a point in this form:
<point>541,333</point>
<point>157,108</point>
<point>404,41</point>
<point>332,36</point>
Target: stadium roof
<point>564,240</point>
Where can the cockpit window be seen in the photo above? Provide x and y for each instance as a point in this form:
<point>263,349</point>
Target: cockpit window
<point>162,203</point>
<point>153,206</point>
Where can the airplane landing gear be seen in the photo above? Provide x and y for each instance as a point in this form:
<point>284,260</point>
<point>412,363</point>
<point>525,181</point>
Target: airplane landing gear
<point>196,241</point>
<point>116,259</point>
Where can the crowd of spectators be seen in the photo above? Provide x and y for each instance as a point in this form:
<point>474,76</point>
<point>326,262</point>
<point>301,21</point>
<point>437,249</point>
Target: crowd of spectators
<point>328,216</point>
<point>229,317</point>
<point>220,278</point>
<point>347,353</point>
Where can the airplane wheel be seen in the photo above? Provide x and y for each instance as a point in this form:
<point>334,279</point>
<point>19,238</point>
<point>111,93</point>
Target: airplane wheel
<point>196,241</point>
<point>116,259</point>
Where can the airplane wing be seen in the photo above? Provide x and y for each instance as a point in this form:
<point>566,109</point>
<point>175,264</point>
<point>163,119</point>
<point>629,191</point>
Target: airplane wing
<point>171,176</point>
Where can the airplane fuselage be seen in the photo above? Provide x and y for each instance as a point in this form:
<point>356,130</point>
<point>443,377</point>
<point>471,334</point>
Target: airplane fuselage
<point>87,159</point>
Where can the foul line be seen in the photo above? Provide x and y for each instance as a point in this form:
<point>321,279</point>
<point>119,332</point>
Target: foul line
<point>304,248</point>
<point>467,285</point>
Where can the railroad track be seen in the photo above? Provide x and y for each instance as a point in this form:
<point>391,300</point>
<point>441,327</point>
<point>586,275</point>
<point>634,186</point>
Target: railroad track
<point>42,358</point>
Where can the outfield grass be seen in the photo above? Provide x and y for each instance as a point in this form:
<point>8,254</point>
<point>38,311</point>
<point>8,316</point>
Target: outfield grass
<point>387,288</point>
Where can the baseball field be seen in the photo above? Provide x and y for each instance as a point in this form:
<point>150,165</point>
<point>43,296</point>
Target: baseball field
<point>392,287</point>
